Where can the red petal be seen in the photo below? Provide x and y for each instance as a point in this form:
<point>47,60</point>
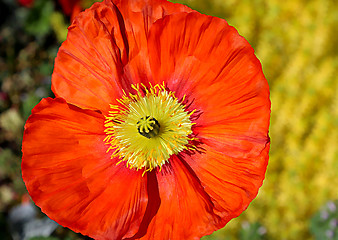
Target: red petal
<point>106,51</point>
<point>139,16</point>
<point>205,59</point>
<point>71,177</point>
<point>195,49</point>
<point>231,183</point>
<point>186,210</point>
<point>88,67</point>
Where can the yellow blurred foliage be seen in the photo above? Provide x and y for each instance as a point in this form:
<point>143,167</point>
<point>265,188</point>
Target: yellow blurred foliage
<point>297,43</point>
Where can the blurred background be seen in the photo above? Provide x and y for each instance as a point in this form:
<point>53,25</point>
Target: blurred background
<point>297,43</point>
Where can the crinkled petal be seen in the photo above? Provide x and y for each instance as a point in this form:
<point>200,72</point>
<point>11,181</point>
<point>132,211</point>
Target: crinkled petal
<point>89,65</point>
<point>231,183</point>
<point>186,210</point>
<point>190,49</point>
<point>106,51</point>
<point>73,180</point>
<point>139,16</point>
<point>205,59</point>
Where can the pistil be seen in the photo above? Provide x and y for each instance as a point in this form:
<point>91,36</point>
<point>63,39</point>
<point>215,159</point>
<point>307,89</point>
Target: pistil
<point>148,127</point>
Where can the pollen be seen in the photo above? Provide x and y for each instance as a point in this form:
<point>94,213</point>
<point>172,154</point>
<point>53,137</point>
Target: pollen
<point>146,127</point>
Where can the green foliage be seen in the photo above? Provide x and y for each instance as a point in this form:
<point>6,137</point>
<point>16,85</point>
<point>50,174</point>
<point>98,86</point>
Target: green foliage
<point>38,18</point>
<point>30,101</point>
<point>324,224</point>
<point>59,26</point>
<point>44,238</point>
<point>254,231</point>
<point>9,164</point>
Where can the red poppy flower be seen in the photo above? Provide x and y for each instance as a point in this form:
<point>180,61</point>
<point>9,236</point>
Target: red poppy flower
<point>159,128</point>
<point>71,7</point>
<point>26,3</point>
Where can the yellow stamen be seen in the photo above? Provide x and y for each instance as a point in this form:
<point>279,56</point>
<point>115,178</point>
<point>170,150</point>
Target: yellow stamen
<point>144,130</point>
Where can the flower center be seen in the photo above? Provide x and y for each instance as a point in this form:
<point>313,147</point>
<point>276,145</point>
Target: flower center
<point>146,128</point>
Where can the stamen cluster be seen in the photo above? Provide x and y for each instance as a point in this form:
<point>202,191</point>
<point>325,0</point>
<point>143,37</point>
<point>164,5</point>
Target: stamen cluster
<point>144,129</point>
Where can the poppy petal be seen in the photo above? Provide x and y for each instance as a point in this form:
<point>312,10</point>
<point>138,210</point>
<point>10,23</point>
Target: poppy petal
<point>231,183</point>
<point>205,59</point>
<point>106,51</point>
<point>139,17</point>
<point>89,65</point>
<point>190,49</point>
<point>73,180</point>
<point>186,210</point>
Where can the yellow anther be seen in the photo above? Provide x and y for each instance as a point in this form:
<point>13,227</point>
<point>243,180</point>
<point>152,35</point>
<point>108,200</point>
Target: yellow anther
<point>146,128</point>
